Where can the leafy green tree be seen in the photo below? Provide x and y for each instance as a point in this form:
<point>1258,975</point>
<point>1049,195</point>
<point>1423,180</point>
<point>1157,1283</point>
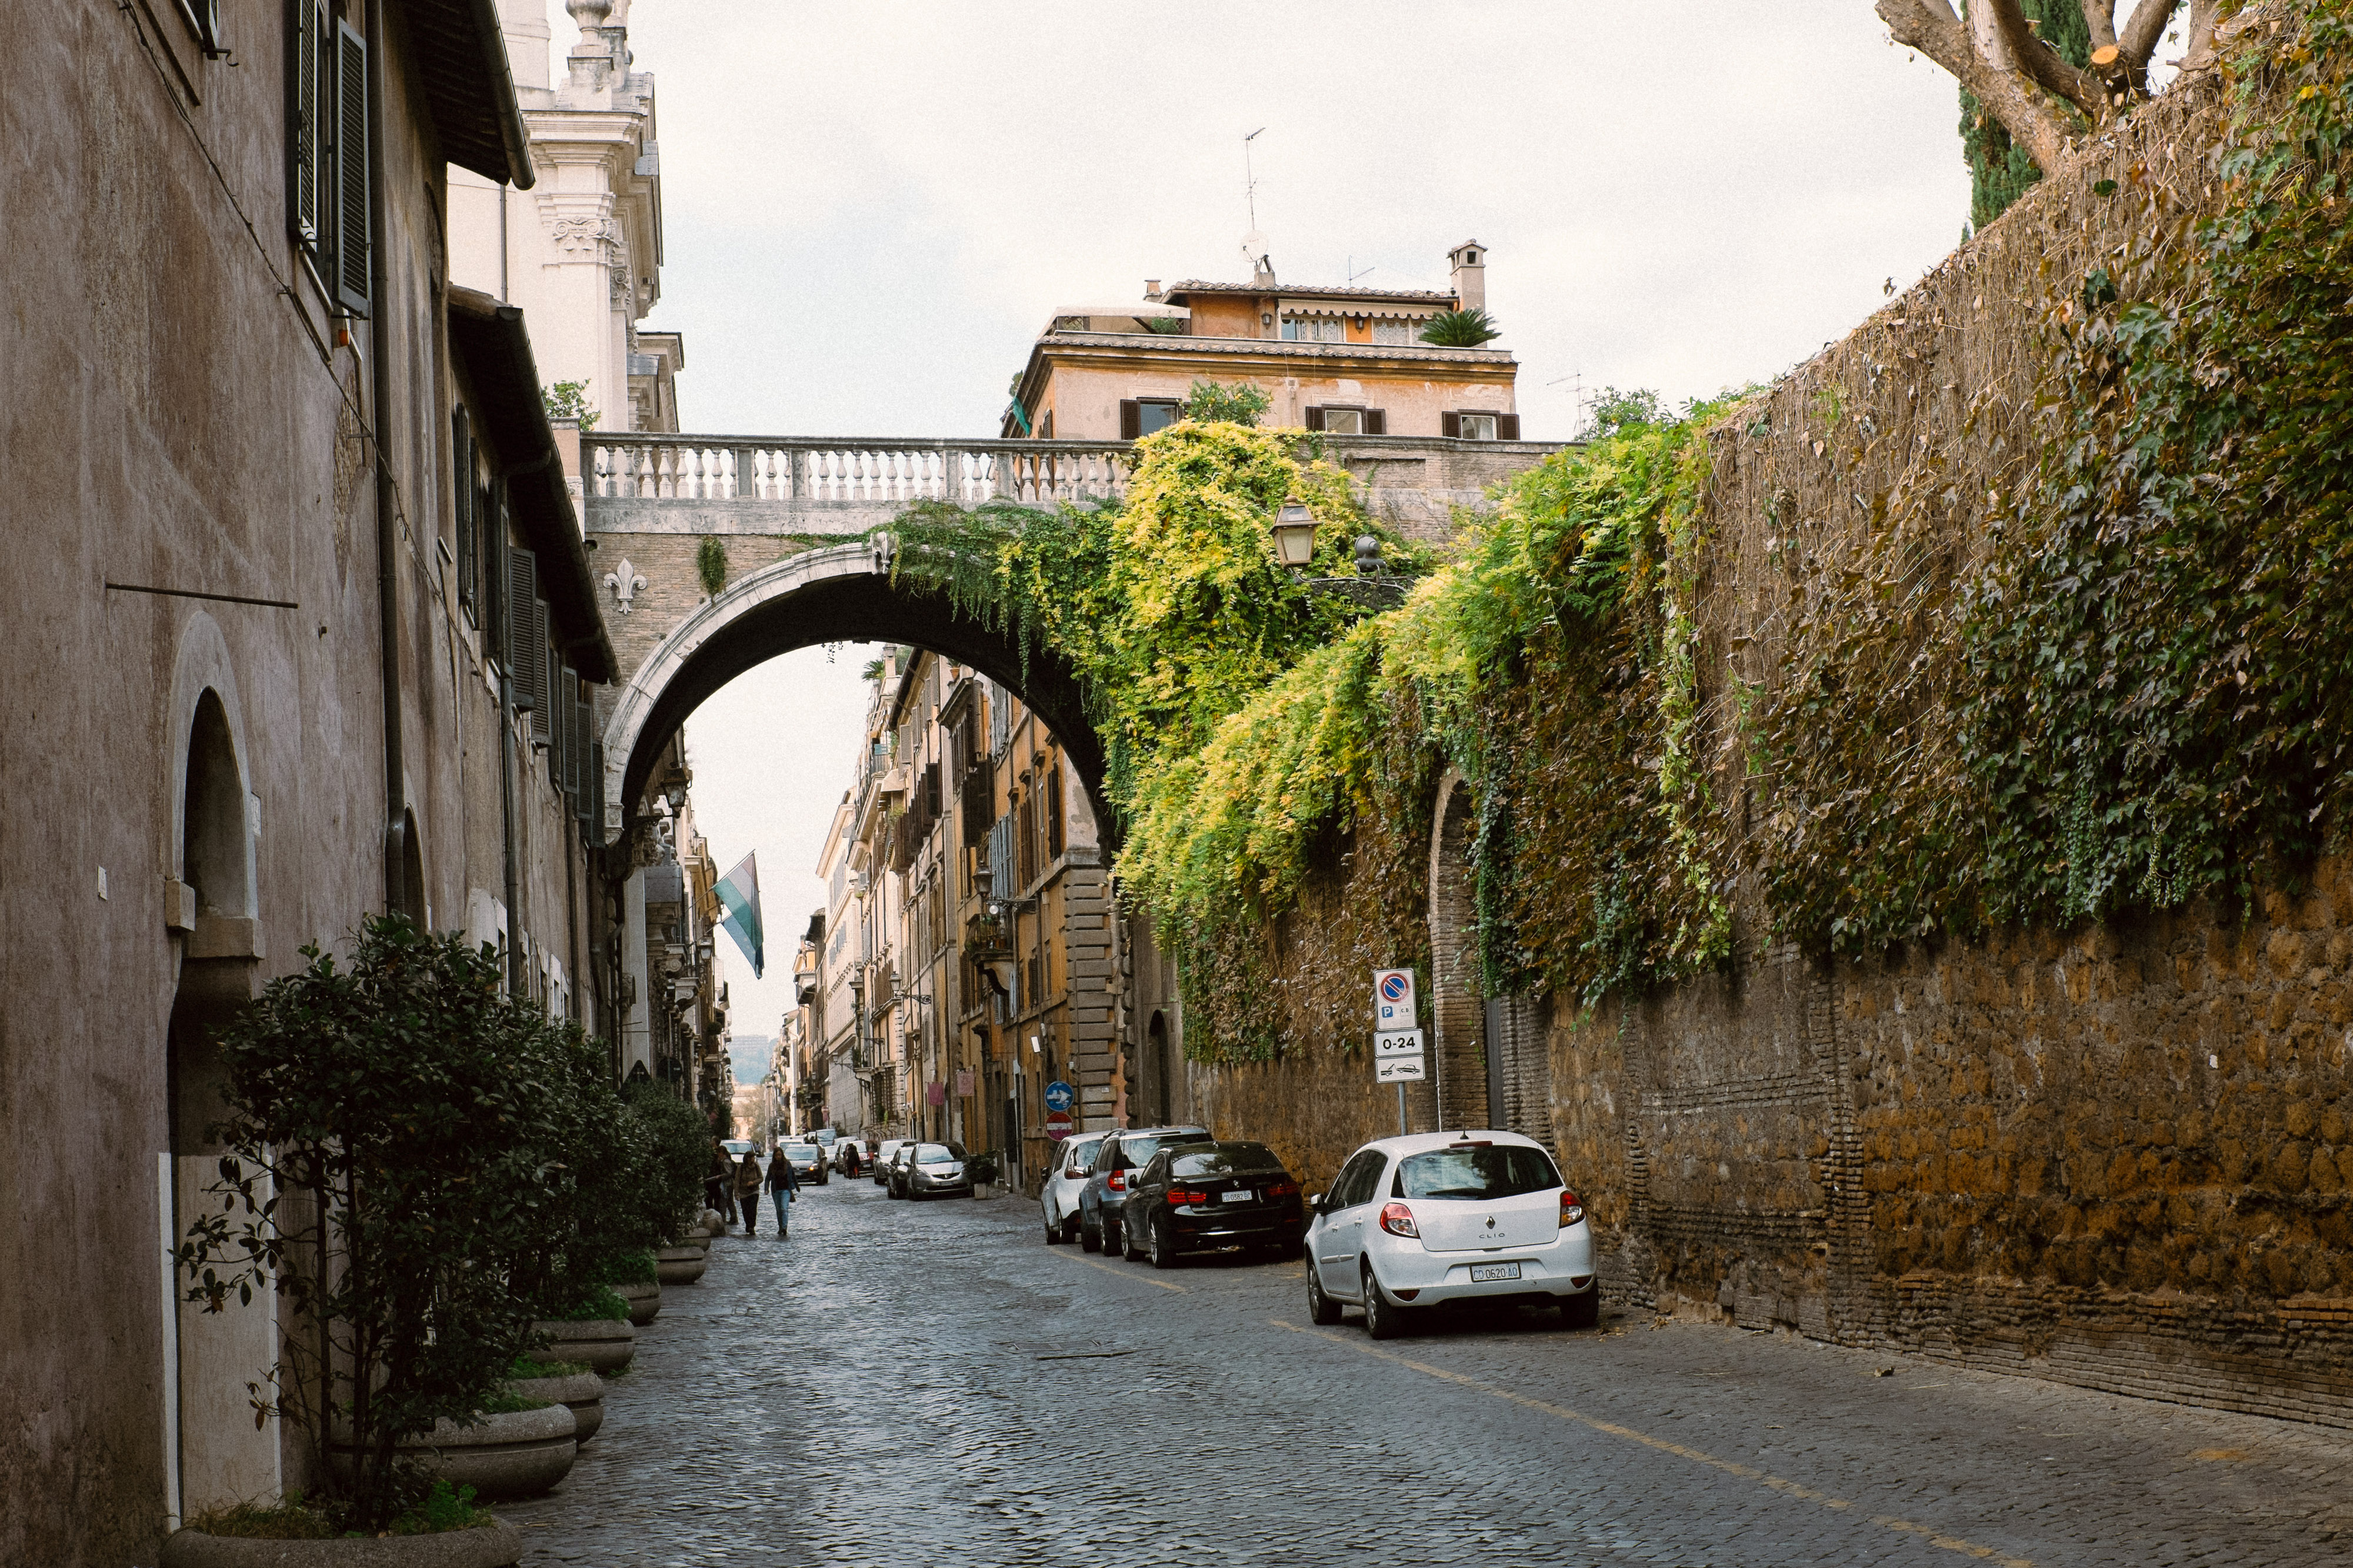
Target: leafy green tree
<point>396,1135</point>
<point>1461,330</point>
<point>1211,403</point>
<point>569,400</point>
<point>1615,413</point>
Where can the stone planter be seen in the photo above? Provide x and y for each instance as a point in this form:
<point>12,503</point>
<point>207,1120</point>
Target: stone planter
<point>607,1344</point>
<point>645,1301</point>
<point>521,1453</point>
<point>713,1223</point>
<point>583,1393</point>
<point>498,1546</point>
<point>681,1264</point>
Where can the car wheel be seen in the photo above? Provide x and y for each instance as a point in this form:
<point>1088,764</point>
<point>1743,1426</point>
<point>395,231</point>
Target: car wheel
<point>1159,1248</point>
<point>1053,1232</point>
<point>1582,1311</point>
<point>1119,1241</point>
<point>1384,1318</point>
<point>1321,1309</point>
<point>1089,1238</point>
<point>1070,1229</point>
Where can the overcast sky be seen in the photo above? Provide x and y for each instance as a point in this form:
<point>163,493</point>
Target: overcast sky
<point>870,210</point>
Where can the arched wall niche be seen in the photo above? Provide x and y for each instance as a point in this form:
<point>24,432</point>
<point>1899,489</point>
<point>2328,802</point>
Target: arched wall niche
<point>1493,1066</point>
<point>210,768</point>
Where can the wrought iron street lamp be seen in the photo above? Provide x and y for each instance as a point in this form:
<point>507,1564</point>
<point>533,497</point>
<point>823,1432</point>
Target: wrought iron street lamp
<point>1294,535</point>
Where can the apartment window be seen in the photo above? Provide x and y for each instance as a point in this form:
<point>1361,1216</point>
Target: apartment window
<point>202,17</point>
<point>1348,421</point>
<point>327,149</point>
<point>1314,330</point>
<point>1478,424</point>
<point>1053,810</point>
<point>1143,416</point>
<point>1392,335</point>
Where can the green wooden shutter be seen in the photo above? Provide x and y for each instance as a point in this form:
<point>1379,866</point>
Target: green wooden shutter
<point>542,716</point>
<point>352,234</point>
<point>585,783</point>
<point>525,671</point>
<point>461,500</point>
<point>302,127</point>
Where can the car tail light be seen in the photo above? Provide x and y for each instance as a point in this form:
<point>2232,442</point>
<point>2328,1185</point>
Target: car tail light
<point>1571,1211</point>
<point>1185,1195</point>
<point>1282,1190</point>
<point>1116,1182</point>
<point>1398,1220</point>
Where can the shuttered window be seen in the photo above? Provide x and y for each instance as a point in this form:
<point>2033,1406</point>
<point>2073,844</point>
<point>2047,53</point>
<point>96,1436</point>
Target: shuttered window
<point>306,128</point>
<point>1478,424</point>
<point>542,716</point>
<point>586,784</point>
<point>350,161</point>
<point>462,498</point>
<point>1348,421</point>
<point>525,671</point>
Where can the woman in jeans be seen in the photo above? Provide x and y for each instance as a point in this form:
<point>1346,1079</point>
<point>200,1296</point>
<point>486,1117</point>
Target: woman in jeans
<point>784,1189</point>
<point>747,1193</point>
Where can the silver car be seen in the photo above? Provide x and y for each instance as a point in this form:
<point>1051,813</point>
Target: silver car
<point>1059,1197</point>
<point>1438,1219</point>
<point>937,1170</point>
<point>880,1170</point>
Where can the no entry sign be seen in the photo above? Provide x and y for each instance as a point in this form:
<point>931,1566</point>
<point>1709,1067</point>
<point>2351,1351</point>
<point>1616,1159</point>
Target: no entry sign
<point>1058,1125</point>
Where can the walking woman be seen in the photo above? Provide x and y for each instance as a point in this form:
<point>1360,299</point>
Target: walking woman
<point>747,1192</point>
<point>784,1190</point>
<point>719,1184</point>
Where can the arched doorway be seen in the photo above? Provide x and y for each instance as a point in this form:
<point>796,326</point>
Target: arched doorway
<point>1161,1088</point>
<point>1493,1063</point>
<point>216,1360</point>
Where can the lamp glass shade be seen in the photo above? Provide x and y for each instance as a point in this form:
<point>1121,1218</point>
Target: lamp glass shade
<point>1294,535</point>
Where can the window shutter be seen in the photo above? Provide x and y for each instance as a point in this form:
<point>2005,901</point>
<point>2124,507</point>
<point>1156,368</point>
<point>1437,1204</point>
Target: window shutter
<point>302,127</point>
<point>351,165</point>
<point>596,813</point>
<point>584,780</point>
<point>1316,418</point>
<point>1507,426</point>
<point>461,498</point>
<point>1451,426</point>
<point>524,671</point>
<point>1131,419</point>
<point>542,717</point>
<point>1377,421</point>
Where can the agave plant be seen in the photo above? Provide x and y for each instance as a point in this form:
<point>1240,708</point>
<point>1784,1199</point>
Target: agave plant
<point>1461,329</point>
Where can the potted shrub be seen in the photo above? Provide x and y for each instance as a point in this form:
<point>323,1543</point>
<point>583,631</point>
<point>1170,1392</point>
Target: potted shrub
<point>394,1171</point>
<point>443,1529</point>
<point>595,1331</point>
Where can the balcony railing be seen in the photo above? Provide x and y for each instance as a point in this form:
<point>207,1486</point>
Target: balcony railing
<point>814,468</point>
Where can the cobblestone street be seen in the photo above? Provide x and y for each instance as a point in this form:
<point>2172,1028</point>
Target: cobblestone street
<point>913,1384</point>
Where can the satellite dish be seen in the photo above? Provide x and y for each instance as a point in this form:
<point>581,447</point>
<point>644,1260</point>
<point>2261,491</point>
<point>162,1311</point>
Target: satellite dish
<point>1254,246</point>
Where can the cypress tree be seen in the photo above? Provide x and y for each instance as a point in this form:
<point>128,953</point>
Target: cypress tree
<point>2000,170</point>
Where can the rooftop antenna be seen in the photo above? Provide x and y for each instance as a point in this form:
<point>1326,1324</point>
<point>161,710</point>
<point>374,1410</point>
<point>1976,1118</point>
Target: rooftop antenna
<point>1253,243</point>
<point>1354,274</point>
<point>1576,381</point>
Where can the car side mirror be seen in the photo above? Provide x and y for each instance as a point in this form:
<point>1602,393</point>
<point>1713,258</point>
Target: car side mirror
<point>1315,1202</point>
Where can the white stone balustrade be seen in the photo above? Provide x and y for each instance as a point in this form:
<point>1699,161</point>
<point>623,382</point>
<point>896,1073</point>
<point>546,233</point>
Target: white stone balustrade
<point>800,468</point>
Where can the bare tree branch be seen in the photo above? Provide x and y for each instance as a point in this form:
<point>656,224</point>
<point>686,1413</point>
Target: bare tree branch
<point>2100,20</point>
<point>2204,15</point>
<point>2042,63</point>
<point>2142,31</point>
<point>2033,120</point>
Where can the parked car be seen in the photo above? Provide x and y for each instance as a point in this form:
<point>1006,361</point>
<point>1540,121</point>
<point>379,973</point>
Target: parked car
<point>736,1149</point>
<point>1442,1219</point>
<point>809,1161</point>
<point>849,1155</point>
<point>881,1164</point>
<point>894,1167</point>
<point>1106,1184</point>
<point>1206,1197</point>
<point>936,1169</point>
<point>1060,1195</point>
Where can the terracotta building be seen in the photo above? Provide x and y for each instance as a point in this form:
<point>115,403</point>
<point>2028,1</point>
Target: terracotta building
<point>1345,359</point>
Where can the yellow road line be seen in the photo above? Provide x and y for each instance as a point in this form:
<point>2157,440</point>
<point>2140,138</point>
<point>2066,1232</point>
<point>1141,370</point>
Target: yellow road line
<point>1128,1274</point>
<point>1746,1472</point>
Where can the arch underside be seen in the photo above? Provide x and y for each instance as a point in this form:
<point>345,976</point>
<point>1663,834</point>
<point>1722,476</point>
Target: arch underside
<point>842,593</point>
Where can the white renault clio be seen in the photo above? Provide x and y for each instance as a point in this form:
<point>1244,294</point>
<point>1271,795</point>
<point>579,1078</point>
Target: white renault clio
<point>1060,1195</point>
<point>1440,1219</point>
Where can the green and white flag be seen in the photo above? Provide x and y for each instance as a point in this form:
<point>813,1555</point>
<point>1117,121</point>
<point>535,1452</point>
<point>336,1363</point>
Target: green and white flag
<point>739,895</point>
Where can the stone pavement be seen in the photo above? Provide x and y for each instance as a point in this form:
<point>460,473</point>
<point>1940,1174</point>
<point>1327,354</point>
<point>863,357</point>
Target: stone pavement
<point>928,1383</point>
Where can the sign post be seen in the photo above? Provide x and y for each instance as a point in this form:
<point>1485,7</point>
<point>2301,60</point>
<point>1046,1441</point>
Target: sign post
<point>1396,1037</point>
<point>1059,1097</point>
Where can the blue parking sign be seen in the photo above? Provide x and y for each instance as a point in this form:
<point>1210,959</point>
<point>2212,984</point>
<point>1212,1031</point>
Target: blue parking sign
<point>1059,1096</point>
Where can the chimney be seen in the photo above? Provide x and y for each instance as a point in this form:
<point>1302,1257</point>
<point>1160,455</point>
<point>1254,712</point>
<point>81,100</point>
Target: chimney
<point>1152,289</point>
<point>1468,264</point>
<point>1263,275</point>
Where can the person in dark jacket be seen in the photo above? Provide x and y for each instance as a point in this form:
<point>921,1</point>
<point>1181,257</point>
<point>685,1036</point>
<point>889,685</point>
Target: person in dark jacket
<point>719,1184</point>
<point>784,1190</point>
<point>747,1192</point>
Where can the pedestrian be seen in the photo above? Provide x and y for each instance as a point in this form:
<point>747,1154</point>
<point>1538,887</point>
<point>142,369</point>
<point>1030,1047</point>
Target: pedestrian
<point>719,1182</point>
<point>784,1190</point>
<point>747,1192</point>
<point>849,1161</point>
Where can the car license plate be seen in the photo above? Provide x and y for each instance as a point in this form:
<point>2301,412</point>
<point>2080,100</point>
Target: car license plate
<point>1240,1197</point>
<point>1494,1271</point>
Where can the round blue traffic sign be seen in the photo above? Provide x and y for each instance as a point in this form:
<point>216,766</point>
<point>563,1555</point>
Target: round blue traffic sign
<point>1393,987</point>
<point>1059,1096</point>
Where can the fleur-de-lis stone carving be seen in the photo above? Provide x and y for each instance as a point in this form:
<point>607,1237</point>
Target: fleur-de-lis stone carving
<point>625,583</point>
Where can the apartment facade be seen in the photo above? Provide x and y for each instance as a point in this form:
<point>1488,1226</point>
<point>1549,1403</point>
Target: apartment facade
<point>1340,359</point>
<point>310,637</point>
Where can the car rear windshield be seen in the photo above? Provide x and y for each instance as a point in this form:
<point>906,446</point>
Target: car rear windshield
<point>800,1151</point>
<point>1227,1159</point>
<point>937,1155</point>
<point>1503,1170</point>
<point>1139,1151</point>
